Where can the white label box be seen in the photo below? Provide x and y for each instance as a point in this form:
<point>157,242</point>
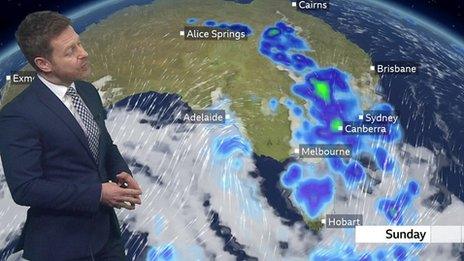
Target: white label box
<point>445,234</point>
<point>392,234</point>
<point>409,234</point>
<point>462,234</point>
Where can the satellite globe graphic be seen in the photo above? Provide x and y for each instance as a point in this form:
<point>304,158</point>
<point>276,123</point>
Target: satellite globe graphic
<point>331,126</point>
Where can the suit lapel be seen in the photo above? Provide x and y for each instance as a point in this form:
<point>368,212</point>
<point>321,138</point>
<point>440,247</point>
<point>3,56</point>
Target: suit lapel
<point>51,101</point>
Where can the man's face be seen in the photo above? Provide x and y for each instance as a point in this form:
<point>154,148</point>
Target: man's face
<point>69,59</point>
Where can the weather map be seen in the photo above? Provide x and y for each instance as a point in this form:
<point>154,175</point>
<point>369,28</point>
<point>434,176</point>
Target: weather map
<point>275,130</point>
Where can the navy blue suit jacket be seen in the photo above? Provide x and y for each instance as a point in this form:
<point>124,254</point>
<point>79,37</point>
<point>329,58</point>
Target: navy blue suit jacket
<point>49,167</point>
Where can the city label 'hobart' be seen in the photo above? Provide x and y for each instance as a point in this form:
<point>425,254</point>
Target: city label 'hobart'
<point>343,220</point>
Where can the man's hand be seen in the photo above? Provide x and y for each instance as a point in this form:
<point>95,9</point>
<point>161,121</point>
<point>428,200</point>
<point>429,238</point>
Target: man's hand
<point>125,180</point>
<point>114,196</point>
<point>124,177</point>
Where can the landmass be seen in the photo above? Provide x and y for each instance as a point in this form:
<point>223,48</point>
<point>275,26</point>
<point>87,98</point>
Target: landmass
<point>140,48</point>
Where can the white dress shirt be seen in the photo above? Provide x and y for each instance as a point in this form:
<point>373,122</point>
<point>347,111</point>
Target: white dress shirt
<point>60,92</point>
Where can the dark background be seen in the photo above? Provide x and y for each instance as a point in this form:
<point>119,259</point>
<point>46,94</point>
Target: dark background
<point>12,12</point>
<point>448,13</point>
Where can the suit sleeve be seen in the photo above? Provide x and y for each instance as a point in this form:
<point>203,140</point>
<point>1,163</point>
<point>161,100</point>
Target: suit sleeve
<point>114,163</point>
<point>21,152</point>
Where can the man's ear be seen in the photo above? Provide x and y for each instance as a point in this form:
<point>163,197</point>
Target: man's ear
<point>43,64</point>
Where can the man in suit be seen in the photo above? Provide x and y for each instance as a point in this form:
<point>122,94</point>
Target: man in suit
<point>57,154</point>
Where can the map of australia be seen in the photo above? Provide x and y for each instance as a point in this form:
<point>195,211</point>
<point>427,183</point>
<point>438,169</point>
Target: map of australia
<point>301,134</point>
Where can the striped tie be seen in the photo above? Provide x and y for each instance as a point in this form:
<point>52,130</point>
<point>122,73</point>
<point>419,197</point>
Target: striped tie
<point>91,126</point>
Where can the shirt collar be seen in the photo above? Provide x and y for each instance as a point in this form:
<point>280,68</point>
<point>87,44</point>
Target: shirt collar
<point>58,90</point>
